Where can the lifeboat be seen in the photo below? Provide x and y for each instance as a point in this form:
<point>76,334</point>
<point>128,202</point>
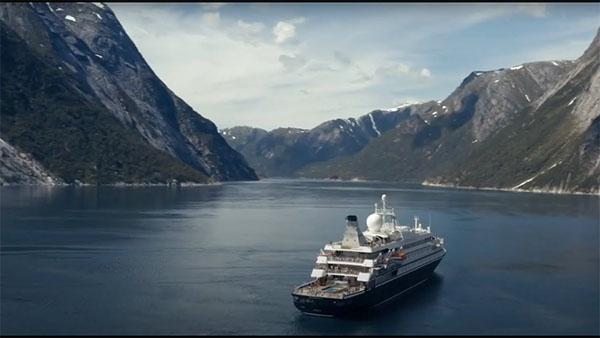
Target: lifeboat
<point>400,255</point>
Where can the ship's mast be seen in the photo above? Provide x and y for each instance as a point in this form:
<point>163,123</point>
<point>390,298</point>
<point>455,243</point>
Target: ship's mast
<point>383,221</point>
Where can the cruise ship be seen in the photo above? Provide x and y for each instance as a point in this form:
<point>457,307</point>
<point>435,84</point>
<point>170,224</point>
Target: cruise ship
<point>368,268</point>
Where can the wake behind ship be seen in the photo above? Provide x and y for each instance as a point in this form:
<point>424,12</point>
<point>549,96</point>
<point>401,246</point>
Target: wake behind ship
<point>368,268</point>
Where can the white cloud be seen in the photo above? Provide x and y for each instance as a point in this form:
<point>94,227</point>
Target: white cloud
<point>392,70</point>
<point>248,31</point>
<point>342,58</point>
<point>251,27</point>
<point>298,20</point>
<point>484,12</point>
<point>234,67</point>
<point>402,68</point>
<point>362,76</point>
<point>213,5</point>
<point>211,18</point>
<point>535,10</point>
<point>292,63</point>
<point>285,30</point>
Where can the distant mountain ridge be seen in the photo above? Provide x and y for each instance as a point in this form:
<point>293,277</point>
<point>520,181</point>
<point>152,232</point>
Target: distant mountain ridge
<point>550,144</point>
<point>508,128</point>
<point>89,86</point>
<point>553,145</point>
<point>490,98</point>
<point>282,151</point>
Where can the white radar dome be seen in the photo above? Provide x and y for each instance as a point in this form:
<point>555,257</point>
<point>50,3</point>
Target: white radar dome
<point>374,222</point>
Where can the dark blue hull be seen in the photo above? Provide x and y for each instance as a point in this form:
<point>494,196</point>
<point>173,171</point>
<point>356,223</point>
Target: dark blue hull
<point>370,298</point>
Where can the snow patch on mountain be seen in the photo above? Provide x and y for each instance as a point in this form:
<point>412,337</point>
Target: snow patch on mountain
<point>374,125</point>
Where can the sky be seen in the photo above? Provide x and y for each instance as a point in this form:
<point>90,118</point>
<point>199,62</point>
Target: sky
<point>272,65</point>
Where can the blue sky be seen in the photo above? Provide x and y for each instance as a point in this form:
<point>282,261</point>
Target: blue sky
<point>274,65</point>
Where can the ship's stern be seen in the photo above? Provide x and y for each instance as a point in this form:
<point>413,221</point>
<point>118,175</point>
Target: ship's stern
<point>325,306</point>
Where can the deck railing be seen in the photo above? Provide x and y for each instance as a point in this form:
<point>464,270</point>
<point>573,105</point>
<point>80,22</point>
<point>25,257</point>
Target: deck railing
<point>345,259</point>
<point>321,290</point>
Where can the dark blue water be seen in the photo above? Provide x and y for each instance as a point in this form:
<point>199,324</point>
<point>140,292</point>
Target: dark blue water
<point>224,259</point>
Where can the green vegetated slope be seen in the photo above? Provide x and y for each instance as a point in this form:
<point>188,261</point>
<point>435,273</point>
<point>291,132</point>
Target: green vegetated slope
<point>552,144</point>
<point>542,148</point>
<point>46,113</point>
<point>80,99</point>
<point>410,152</point>
<point>425,133</point>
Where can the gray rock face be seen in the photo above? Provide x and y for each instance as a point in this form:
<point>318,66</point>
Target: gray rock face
<point>491,98</point>
<point>495,137</point>
<point>282,151</point>
<point>557,139</point>
<point>17,167</point>
<point>486,100</point>
<point>91,44</point>
<point>586,105</point>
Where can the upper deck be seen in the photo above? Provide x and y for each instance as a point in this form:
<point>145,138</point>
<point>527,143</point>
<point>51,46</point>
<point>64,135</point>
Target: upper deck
<point>331,289</point>
<point>362,258</point>
<point>383,232</point>
<point>376,242</point>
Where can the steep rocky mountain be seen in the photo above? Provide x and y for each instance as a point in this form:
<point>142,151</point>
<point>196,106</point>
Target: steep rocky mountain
<point>539,131</point>
<point>282,151</point>
<point>20,168</point>
<point>553,145</point>
<point>79,97</point>
<point>486,100</point>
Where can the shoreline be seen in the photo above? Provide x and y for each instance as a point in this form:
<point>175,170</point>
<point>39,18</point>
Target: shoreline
<point>118,184</point>
<point>555,191</point>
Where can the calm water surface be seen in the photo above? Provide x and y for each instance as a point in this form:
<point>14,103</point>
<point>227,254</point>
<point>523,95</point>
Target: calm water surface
<point>223,259</point>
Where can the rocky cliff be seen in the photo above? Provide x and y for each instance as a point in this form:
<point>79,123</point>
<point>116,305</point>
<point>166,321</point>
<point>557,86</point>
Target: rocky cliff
<point>282,151</point>
<point>553,145</point>
<point>533,126</point>
<point>79,71</point>
<point>17,167</point>
<point>485,100</point>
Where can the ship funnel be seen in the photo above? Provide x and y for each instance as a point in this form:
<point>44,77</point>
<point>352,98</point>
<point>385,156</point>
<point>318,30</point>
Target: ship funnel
<point>353,237</point>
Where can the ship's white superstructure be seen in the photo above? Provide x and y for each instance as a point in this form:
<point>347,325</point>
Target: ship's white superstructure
<point>367,260</point>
